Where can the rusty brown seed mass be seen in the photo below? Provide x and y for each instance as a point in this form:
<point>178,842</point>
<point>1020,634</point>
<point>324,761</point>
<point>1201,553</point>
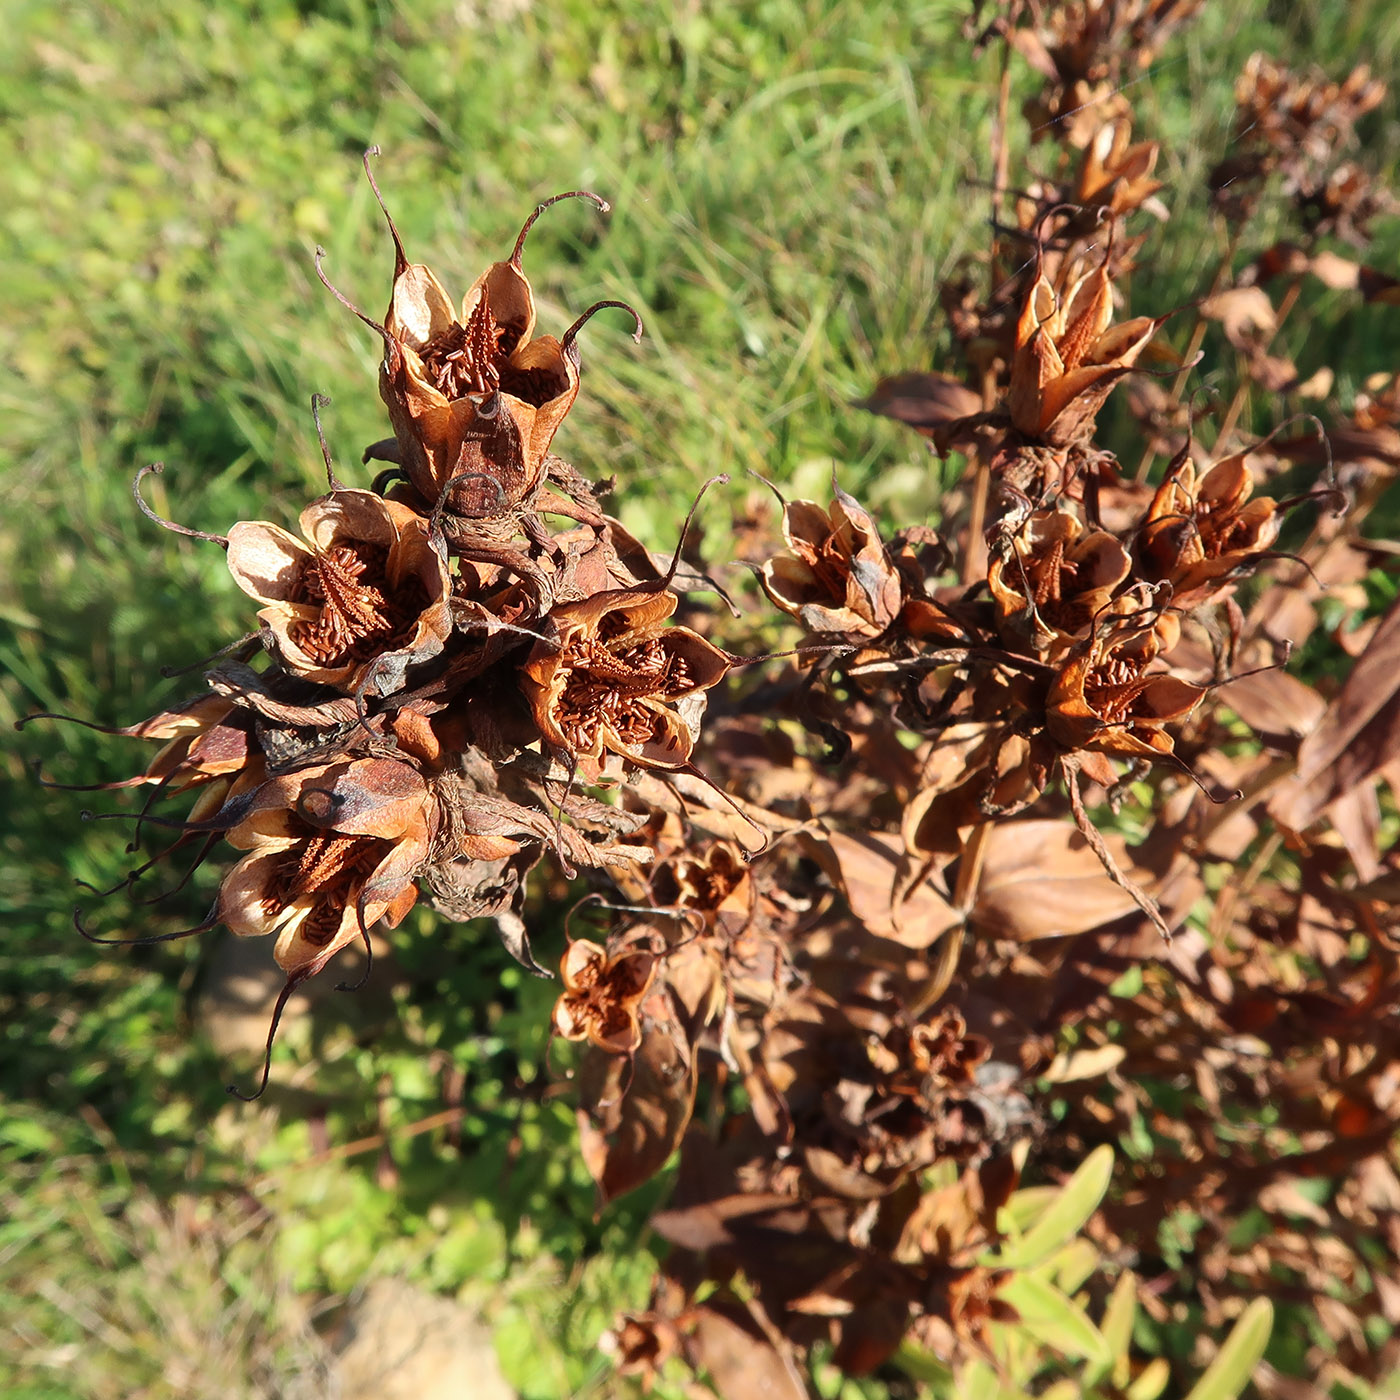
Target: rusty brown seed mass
<point>1111,688</point>
<point>360,616</point>
<point>464,359</point>
<point>328,868</point>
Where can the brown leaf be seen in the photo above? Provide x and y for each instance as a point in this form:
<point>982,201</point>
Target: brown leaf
<point>922,399</point>
<point>633,1111</point>
<point>741,1362</point>
<point>1273,703</point>
<point>1245,314</point>
<point>1359,734</point>
<point>1041,880</point>
<point>867,866</point>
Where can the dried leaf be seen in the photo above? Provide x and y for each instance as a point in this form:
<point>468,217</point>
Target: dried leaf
<point>1358,736</point>
<point>634,1110</point>
<point>740,1361</point>
<point>1040,879</point>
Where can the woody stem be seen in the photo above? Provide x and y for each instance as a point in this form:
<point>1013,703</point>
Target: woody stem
<point>970,868</point>
<point>1000,159</point>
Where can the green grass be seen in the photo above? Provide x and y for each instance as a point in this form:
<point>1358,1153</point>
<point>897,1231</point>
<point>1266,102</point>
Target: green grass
<point>790,181</point>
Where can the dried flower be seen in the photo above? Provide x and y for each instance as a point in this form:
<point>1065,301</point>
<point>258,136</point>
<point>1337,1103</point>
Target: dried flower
<point>602,995</point>
<point>837,577</point>
<point>613,678</point>
<point>1107,700</point>
<point>331,849</point>
<point>1202,529</point>
<point>1051,577</point>
<point>370,586</point>
<point>1068,356</point>
<point>474,395</point>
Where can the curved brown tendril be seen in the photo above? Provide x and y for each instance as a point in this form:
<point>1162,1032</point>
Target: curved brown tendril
<point>73,719</point>
<point>248,639</point>
<point>571,335</point>
<point>155,469</point>
<point>400,259</point>
<point>592,897</point>
<point>1287,647</point>
<point>691,770</point>
<point>131,875</point>
<point>294,980</point>
<point>1220,796</point>
<point>210,842</point>
<point>440,506</point>
<point>1065,206</point>
<point>369,947</point>
<point>602,205</point>
<point>758,476</point>
<point>343,299</point>
<point>1268,554</point>
<point>116,785</point>
<point>1148,607</point>
<point>229,815</point>
<point>210,921</point>
<point>721,480</point>
<point>318,402</point>
<point>381,483</point>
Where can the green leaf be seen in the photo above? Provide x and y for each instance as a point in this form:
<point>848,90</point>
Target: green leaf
<point>1054,1319</point>
<point>978,1382</point>
<point>1072,1264</point>
<point>1063,1218</point>
<point>1117,1328</point>
<point>1234,1363</point>
<point>922,1365</point>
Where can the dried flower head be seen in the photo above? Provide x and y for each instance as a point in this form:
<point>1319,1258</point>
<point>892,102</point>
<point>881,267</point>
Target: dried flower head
<point>1068,355</point>
<point>332,849</point>
<point>836,577</point>
<point>368,585</point>
<point>474,395</point>
<point>1051,577</point>
<point>1107,698</point>
<point>614,678</point>
<point>1203,528</point>
<point>602,996</point>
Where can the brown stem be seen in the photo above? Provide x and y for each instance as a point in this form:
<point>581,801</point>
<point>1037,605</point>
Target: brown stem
<point>970,868</point>
<point>364,1144</point>
<point>1238,885</point>
<point>1099,846</point>
<point>1000,160</point>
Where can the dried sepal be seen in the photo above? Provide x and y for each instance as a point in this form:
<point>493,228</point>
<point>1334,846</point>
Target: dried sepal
<point>1068,355</point>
